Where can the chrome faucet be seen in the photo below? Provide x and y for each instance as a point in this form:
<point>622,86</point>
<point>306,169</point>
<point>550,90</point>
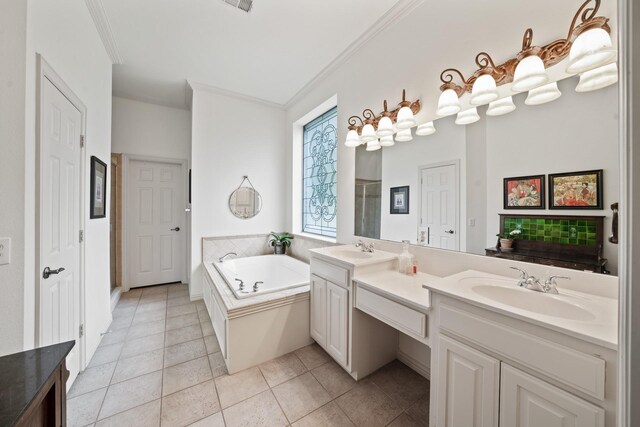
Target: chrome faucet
<point>255,286</point>
<point>364,246</point>
<point>241,285</point>
<point>222,258</point>
<point>550,284</point>
<point>530,282</point>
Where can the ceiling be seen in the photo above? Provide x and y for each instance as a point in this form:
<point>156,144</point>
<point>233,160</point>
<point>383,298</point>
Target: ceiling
<point>270,53</point>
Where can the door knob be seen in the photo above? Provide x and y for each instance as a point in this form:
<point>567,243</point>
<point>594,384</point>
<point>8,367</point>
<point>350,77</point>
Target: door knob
<point>48,272</point>
<point>175,229</point>
<point>449,231</point>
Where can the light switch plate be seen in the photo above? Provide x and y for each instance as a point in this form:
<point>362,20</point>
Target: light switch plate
<point>5,250</point>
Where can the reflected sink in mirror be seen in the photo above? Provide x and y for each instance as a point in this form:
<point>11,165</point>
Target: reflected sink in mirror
<point>532,301</point>
<point>355,254</point>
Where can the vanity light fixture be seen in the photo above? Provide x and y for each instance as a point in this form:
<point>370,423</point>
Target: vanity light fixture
<point>368,133</point>
<point>387,141</point>
<point>598,78</point>
<point>353,139</point>
<point>543,94</point>
<point>587,44</point>
<point>426,129</point>
<point>404,135</point>
<point>385,125</point>
<point>467,117</point>
<point>501,106</point>
<point>373,145</point>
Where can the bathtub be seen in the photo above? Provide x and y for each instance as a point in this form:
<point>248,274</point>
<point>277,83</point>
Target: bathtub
<point>276,272</point>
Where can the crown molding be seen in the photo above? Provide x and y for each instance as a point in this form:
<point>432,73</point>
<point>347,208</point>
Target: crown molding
<point>395,14</point>
<point>101,21</point>
<point>224,92</point>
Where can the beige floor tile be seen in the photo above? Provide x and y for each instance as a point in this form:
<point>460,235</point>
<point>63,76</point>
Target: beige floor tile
<point>203,315</point>
<point>131,294</point>
<point>218,367</point>
<point>121,323</point>
<point>260,410</point>
<point>178,300</point>
<point>181,309</point>
<point>147,415</point>
<point>215,420</point>
<point>114,336</point>
<point>144,307</point>
<point>184,352</point>
<point>92,379</point>
<point>138,365</point>
<point>145,329</point>
<point>131,393</point>
<point>367,406</point>
<point>123,312</point>
<point>177,287</point>
<point>334,379</point>
<point>190,405</point>
<point>211,341</point>
<point>419,411</point>
<point>238,387</point>
<point>149,316</point>
<point>185,375</point>
<point>142,345</point>
<point>127,303</point>
<point>312,356</point>
<point>179,293</point>
<point>83,410</point>
<point>300,396</point>
<point>207,329</point>
<point>402,384</point>
<point>330,415</point>
<point>154,290</point>
<point>145,299</point>
<point>200,305</point>
<point>177,336</point>
<point>282,369</point>
<point>404,421</point>
<point>182,321</point>
<point>106,354</point>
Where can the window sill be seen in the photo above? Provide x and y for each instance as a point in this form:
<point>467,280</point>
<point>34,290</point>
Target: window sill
<point>316,237</point>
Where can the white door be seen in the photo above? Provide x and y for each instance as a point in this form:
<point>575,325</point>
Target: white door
<point>156,242</point>
<point>337,328</point>
<point>467,386</point>
<point>59,223</point>
<point>438,211</point>
<point>319,311</point>
<point>526,401</point>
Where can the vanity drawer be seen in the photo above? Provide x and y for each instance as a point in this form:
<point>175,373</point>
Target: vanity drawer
<point>332,273</point>
<point>396,315</point>
<point>574,368</point>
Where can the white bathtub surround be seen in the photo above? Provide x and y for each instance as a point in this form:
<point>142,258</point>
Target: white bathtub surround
<point>303,243</point>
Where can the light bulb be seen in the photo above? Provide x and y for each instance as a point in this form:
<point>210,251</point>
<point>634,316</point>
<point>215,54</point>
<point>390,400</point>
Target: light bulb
<point>467,117</point>
<point>405,119</point>
<point>353,139</point>
<point>373,145</point>
<point>385,127</point>
<point>598,78</point>
<point>530,73</point>
<point>543,94</point>
<point>484,90</point>
<point>426,129</point>
<point>448,103</point>
<point>387,141</point>
<point>591,49</point>
<point>501,106</point>
<point>404,135</point>
<point>368,133</point>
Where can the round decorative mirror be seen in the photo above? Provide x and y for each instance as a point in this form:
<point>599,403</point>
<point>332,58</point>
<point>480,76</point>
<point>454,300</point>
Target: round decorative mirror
<point>245,202</point>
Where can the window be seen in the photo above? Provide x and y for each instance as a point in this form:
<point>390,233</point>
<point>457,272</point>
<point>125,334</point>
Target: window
<point>319,183</point>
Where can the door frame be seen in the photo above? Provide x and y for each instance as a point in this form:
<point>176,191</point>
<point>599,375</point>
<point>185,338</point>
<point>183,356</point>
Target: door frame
<point>456,164</point>
<point>126,160</point>
<point>45,71</point>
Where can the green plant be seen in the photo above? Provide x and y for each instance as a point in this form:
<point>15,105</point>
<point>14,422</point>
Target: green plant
<point>284,238</point>
<point>513,235</point>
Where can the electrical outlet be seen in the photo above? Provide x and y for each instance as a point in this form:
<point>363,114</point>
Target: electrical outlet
<point>472,222</point>
<point>5,250</point>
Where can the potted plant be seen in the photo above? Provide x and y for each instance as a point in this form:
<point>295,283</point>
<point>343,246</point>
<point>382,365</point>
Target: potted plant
<point>280,242</point>
<point>507,239</point>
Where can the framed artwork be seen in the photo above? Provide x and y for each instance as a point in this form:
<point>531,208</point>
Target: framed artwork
<point>399,202</point>
<point>524,192</point>
<point>98,202</point>
<point>576,190</point>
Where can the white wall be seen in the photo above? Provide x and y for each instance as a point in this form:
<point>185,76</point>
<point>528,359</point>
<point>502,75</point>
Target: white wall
<point>64,33</point>
<point>12,170</point>
<point>232,137</point>
<point>150,130</point>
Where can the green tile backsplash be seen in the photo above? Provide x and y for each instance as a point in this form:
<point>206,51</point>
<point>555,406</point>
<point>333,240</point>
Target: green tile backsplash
<point>565,231</point>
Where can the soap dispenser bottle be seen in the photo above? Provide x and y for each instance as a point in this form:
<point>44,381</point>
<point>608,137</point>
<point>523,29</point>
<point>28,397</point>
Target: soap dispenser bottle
<point>405,259</point>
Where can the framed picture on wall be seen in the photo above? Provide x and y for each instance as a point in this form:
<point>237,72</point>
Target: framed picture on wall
<point>98,202</point>
<point>399,201</point>
<point>576,190</point>
<point>524,192</point>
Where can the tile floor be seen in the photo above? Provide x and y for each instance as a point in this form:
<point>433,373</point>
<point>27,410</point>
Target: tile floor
<point>161,366</point>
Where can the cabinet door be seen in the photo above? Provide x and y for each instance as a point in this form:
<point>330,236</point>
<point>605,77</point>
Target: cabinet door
<point>319,310</point>
<point>467,386</point>
<point>337,322</point>
<point>526,401</point>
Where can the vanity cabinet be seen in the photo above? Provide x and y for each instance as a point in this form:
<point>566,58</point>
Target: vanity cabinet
<point>319,310</point>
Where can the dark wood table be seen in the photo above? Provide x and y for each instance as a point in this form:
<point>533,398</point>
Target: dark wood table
<point>33,387</point>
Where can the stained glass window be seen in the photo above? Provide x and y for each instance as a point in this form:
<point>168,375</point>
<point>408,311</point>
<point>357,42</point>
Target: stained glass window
<point>319,185</point>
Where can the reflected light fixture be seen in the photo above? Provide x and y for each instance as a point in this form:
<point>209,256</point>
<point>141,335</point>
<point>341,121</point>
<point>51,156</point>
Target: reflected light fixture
<point>373,145</point>
<point>385,125</point>
<point>426,129</point>
<point>387,141</point>
<point>405,118</point>
<point>484,90</point>
<point>353,139</point>
<point>501,106</point>
<point>368,133</point>
<point>467,117</point>
<point>404,135</point>
<point>598,78</point>
<point>543,94</point>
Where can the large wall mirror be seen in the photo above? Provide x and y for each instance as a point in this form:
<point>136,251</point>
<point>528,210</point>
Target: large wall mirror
<point>467,184</point>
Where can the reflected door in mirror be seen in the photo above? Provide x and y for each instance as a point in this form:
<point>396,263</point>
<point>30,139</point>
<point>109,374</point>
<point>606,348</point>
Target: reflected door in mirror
<point>438,216</point>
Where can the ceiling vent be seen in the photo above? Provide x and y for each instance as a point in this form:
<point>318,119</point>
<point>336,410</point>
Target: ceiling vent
<point>241,4</point>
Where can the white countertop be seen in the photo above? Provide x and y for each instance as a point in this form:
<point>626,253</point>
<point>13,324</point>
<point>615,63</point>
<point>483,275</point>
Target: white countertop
<point>602,329</point>
<point>350,256</point>
<point>404,289</point>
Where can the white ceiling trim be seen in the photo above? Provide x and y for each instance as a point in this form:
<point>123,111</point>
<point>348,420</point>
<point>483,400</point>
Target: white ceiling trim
<point>219,91</point>
<point>395,14</point>
<point>101,21</point>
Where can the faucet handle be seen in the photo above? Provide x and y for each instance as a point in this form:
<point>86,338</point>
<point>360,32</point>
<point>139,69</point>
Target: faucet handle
<point>552,279</point>
<point>255,286</point>
<point>523,274</point>
<point>359,243</point>
<point>241,284</point>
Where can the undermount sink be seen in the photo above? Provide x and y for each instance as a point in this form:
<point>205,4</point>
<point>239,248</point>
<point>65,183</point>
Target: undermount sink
<point>535,302</point>
<point>343,253</point>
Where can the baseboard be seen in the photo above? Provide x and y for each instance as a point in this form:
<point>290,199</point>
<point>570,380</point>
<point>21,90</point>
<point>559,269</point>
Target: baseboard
<point>115,297</point>
<point>196,297</point>
<point>415,364</point>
